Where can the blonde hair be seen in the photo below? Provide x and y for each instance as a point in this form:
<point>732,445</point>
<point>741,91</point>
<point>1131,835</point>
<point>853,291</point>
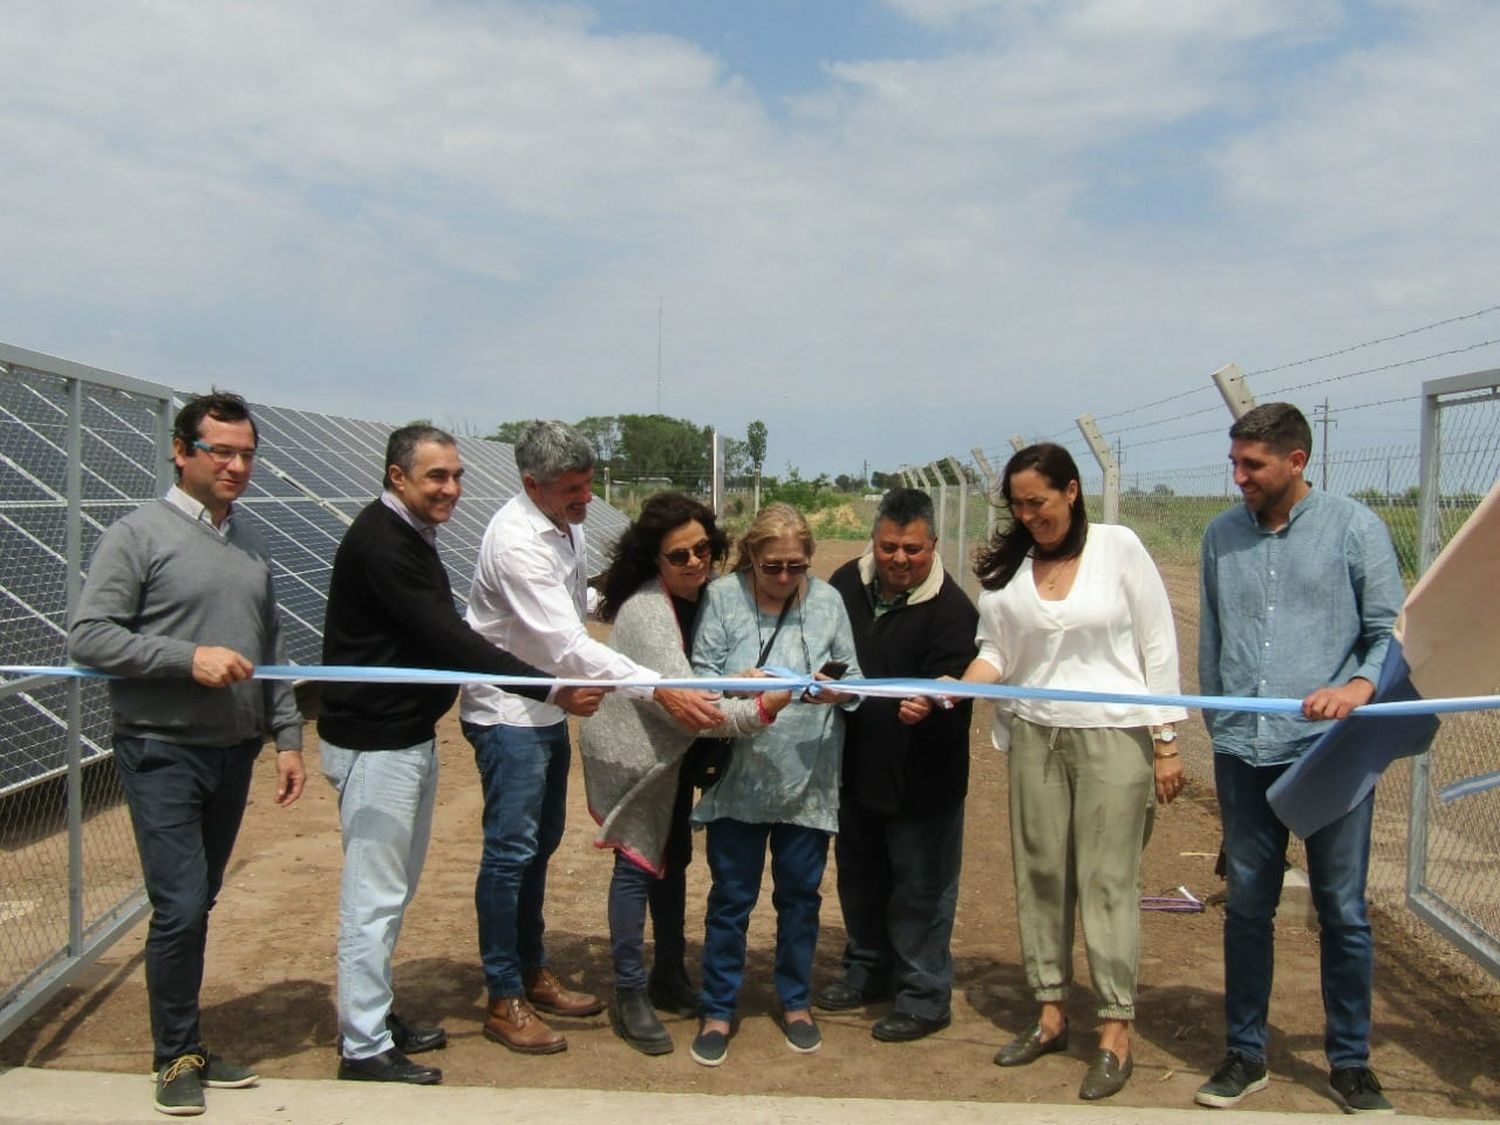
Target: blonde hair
<point>774,521</point>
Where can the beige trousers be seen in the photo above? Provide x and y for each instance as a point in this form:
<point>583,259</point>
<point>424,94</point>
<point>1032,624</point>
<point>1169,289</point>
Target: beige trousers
<point>1081,809</point>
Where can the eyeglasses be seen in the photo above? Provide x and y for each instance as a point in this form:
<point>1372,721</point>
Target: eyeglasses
<point>222,455</point>
<point>792,568</point>
<point>699,550</point>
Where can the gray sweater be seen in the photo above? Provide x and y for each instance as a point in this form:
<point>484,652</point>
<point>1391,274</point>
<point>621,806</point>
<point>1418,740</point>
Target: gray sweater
<point>631,747</point>
<point>160,585</point>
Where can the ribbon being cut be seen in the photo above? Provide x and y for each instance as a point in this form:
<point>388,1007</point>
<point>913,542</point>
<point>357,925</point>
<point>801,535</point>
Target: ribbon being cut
<point>1443,656</point>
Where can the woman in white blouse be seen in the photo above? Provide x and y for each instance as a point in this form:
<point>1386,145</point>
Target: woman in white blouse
<point>1067,605</point>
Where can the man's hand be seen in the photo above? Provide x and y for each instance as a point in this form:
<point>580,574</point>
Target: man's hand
<point>691,708</point>
<point>914,710</point>
<point>580,701</point>
<point>1169,779</point>
<point>1336,702</point>
<point>220,667</point>
<point>291,775</point>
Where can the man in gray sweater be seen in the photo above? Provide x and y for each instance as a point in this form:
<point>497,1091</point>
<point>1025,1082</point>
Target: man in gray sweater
<point>178,603</point>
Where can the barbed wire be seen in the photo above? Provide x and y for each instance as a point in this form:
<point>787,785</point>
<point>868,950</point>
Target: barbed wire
<point>1385,367</point>
<point>1372,343</point>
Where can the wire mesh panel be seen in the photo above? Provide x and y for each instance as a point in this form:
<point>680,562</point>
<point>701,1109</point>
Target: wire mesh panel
<point>1454,845</point>
<point>76,453</point>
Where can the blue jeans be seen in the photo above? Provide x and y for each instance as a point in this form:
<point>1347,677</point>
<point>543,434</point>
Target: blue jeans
<point>524,771</point>
<point>186,803</point>
<point>385,816</point>
<point>1338,857</point>
<point>736,859</point>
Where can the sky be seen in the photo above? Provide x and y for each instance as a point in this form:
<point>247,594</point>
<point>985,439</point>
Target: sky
<point>893,230</point>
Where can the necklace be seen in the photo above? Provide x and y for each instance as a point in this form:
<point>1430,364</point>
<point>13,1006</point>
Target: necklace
<point>1057,571</point>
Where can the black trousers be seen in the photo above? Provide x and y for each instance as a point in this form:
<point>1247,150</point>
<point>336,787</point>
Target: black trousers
<point>898,889</point>
<point>667,896</point>
<point>186,804</point>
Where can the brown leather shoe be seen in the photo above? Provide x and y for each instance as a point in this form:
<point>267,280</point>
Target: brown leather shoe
<point>512,1022</point>
<point>548,994</point>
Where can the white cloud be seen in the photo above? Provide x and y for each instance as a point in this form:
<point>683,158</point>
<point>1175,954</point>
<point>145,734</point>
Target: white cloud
<point>415,209</point>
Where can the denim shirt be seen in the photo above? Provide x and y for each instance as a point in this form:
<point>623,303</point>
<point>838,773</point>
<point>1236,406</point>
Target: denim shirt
<point>1287,612</point>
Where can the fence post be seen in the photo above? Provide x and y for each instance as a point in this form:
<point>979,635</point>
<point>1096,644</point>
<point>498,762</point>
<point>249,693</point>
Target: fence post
<point>73,539</point>
<point>1106,458</point>
<point>991,492</point>
<point>942,486</point>
<point>963,507</point>
<point>1236,392</point>
<point>1017,443</point>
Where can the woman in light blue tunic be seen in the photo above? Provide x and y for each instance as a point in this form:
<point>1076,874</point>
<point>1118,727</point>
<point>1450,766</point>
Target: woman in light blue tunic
<point>780,788</point>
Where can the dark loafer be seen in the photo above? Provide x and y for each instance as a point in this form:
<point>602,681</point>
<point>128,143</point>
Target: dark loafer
<point>414,1040</point>
<point>391,1066</point>
<point>841,996</point>
<point>903,1027</point>
<point>1029,1046</point>
<point>1106,1076</point>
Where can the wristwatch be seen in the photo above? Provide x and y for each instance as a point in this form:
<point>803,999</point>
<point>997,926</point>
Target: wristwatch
<point>1166,734</point>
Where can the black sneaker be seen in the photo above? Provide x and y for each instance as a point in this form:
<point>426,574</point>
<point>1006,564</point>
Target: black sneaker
<point>1357,1090</point>
<point>219,1073</point>
<point>1236,1079</point>
<point>179,1086</point>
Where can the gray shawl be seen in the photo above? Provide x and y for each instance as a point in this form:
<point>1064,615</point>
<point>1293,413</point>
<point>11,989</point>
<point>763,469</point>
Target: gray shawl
<point>632,749</point>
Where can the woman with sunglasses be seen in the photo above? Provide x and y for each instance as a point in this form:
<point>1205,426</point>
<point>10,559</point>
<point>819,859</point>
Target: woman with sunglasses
<point>639,765</point>
<point>782,791</point>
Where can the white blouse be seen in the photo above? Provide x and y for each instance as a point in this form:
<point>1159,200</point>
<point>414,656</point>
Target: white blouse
<point>1112,633</point>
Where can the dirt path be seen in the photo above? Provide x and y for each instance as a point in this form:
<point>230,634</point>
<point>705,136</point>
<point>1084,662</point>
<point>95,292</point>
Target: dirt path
<point>269,990</point>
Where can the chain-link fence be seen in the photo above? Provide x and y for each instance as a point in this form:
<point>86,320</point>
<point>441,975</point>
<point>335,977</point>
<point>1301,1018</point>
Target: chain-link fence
<point>78,448</point>
<point>1448,876</point>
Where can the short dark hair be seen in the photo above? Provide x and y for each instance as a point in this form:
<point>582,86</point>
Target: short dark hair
<point>998,560</point>
<point>401,447</point>
<point>906,505</point>
<point>547,450</point>
<point>221,406</point>
<point>1280,425</point>
<point>632,562</point>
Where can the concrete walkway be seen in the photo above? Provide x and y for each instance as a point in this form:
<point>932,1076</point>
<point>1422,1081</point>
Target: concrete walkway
<point>55,1097</point>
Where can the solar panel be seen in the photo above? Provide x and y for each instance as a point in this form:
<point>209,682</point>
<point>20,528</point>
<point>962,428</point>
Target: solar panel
<point>313,474</point>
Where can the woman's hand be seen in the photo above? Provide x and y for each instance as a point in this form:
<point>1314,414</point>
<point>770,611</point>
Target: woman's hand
<point>775,702</point>
<point>1170,778</point>
<point>826,694</point>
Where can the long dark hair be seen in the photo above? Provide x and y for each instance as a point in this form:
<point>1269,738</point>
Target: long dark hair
<point>998,560</point>
<point>633,563</point>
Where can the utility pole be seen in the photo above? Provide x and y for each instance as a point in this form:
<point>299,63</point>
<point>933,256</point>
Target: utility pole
<point>1320,416</point>
<point>658,352</point>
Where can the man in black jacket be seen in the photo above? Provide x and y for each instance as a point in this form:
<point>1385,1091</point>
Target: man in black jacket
<point>390,604</point>
<point>906,773</point>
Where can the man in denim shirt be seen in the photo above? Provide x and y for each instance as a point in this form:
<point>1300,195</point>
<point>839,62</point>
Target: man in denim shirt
<point>1300,590</point>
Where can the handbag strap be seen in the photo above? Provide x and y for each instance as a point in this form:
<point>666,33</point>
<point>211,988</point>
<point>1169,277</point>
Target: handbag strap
<point>765,651</point>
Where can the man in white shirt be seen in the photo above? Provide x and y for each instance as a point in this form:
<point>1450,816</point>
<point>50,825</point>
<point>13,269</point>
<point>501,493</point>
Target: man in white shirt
<point>530,597</point>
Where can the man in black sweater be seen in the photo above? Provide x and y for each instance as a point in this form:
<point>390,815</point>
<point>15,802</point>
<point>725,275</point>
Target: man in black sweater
<point>906,773</point>
<point>390,604</point>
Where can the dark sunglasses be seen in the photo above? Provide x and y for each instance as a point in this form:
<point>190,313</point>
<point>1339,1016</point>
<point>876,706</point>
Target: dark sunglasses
<point>778,567</point>
<point>699,550</point>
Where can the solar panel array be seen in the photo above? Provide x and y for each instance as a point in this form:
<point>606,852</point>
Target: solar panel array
<point>313,474</point>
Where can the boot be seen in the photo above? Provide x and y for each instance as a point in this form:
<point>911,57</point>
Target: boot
<point>636,1022</point>
<point>512,1022</point>
<point>546,993</point>
<point>672,991</point>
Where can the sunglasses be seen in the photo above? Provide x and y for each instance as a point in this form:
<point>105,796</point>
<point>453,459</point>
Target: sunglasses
<point>777,567</point>
<point>699,550</point>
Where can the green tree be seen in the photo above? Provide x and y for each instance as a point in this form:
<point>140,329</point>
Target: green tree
<point>755,446</point>
<point>508,433</point>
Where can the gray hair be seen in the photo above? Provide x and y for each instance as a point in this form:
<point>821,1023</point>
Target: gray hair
<point>906,505</point>
<point>401,446</point>
<point>547,450</point>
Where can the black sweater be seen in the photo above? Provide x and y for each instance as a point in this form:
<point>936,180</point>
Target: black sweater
<point>890,767</point>
<point>390,605</point>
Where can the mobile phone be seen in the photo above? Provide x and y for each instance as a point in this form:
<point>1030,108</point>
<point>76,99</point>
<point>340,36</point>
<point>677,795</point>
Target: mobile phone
<point>835,669</point>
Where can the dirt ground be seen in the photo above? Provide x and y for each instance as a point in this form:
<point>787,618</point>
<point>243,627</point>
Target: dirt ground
<point>269,992</point>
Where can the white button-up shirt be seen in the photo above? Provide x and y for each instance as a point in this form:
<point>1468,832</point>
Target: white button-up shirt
<point>530,596</point>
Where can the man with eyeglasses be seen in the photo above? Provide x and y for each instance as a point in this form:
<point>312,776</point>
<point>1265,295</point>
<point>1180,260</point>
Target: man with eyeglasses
<point>906,773</point>
<point>179,605</point>
<point>530,596</point>
<point>390,605</point>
